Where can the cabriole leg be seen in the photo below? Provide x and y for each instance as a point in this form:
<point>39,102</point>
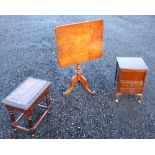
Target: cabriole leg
<point>117,96</point>
<point>139,98</point>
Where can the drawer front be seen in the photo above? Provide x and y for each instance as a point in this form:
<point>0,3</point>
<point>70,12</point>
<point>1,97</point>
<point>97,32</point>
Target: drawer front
<point>131,84</point>
<point>132,75</point>
<point>130,91</point>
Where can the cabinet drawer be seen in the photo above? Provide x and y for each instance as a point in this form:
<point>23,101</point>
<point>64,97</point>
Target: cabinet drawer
<point>130,91</point>
<point>131,84</point>
<point>132,75</point>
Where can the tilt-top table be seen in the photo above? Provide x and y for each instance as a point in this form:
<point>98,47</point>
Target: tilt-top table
<point>77,43</point>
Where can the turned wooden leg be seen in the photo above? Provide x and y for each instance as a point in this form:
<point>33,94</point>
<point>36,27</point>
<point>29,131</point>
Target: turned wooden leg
<point>12,118</point>
<point>72,84</point>
<point>85,85</point>
<point>11,112</point>
<point>139,98</point>
<point>78,77</point>
<point>30,123</point>
<point>117,97</point>
<point>48,103</point>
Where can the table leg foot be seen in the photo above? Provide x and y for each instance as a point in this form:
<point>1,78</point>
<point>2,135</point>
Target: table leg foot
<point>117,96</point>
<point>139,98</point>
<point>85,85</point>
<point>72,84</point>
<point>33,135</point>
<point>116,100</point>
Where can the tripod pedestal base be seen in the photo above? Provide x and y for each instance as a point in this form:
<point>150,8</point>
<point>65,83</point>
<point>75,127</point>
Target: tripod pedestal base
<point>80,78</point>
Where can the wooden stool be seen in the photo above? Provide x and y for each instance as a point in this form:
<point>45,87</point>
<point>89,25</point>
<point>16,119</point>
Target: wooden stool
<point>25,99</point>
<point>130,76</point>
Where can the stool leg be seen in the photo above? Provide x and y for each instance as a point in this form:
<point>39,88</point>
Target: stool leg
<point>12,118</point>
<point>11,112</point>
<point>48,102</point>
<point>30,123</point>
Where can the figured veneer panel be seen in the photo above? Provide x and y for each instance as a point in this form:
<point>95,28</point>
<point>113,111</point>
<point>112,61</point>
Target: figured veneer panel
<point>79,42</point>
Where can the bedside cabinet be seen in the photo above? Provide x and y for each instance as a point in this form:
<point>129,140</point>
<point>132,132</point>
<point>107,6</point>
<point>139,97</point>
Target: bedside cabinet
<point>130,76</point>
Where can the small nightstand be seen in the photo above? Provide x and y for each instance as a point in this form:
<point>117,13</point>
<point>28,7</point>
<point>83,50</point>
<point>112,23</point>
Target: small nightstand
<point>130,76</point>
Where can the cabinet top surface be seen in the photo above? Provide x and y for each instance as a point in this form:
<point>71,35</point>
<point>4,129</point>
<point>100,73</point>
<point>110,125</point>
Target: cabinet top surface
<point>25,94</point>
<point>133,63</point>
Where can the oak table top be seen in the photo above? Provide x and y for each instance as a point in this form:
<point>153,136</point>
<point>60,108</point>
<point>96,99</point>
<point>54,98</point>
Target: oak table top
<point>79,42</point>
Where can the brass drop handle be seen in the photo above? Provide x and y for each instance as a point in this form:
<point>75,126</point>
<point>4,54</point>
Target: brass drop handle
<point>131,85</point>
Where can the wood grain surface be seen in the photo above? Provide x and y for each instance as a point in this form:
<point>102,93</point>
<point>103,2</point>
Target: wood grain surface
<point>79,42</point>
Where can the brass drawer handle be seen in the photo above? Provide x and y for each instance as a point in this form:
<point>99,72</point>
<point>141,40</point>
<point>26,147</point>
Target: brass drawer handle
<point>131,85</point>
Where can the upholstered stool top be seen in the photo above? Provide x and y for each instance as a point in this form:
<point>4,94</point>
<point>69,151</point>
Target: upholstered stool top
<point>26,94</point>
